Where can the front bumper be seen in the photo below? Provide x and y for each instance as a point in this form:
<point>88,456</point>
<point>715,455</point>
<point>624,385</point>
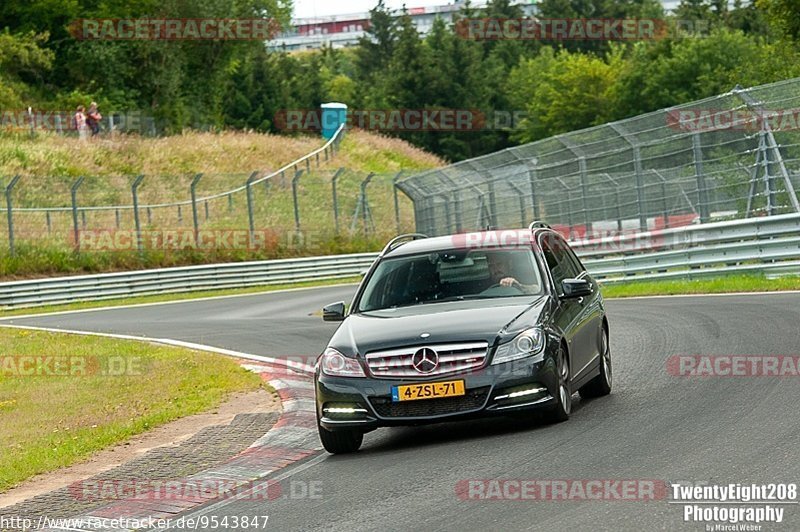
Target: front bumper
<point>502,389</point>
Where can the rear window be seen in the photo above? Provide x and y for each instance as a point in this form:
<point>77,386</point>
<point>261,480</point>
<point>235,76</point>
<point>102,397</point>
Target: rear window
<point>451,275</point>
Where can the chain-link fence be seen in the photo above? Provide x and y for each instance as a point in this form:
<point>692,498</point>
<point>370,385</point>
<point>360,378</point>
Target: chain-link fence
<point>297,212</point>
<point>298,209</point>
<point>730,156</point>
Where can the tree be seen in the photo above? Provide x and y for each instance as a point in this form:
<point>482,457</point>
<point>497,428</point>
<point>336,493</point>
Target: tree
<point>782,15</point>
<point>23,59</point>
<point>561,92</point>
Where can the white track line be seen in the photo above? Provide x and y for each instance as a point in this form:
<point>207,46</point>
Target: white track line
<point>296,366</point>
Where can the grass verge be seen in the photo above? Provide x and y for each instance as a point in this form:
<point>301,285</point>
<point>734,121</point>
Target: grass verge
<point>719,285</point>
<point>160,298</point>
<point>107,391</point>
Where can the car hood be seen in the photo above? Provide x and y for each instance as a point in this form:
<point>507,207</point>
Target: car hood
<point>459,321</point>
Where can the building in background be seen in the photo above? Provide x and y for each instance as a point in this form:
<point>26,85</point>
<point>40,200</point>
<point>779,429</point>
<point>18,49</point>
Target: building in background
<point>345,30</point>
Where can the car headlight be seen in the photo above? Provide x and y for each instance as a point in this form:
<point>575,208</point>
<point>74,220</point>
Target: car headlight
<point>527,343</point>
<point>335,364</point>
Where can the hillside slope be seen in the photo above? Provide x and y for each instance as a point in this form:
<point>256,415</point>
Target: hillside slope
<point>50,164</point>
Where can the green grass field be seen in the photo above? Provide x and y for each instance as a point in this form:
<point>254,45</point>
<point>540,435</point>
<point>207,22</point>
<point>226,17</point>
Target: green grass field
<point>719,285</point>
<point>107,391</point>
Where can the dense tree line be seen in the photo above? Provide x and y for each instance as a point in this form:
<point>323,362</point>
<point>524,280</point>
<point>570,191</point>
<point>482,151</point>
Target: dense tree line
<point>558,86</point>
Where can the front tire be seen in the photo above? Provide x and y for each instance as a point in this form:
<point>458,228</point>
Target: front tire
<point>341,441</point>
<point>563,407</point>
<point>600,385</point>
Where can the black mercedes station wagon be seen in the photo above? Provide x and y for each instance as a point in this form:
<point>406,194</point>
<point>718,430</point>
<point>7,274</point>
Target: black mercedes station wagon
<point>455,327</point>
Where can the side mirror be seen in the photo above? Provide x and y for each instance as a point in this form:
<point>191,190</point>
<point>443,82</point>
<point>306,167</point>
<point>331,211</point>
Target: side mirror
<point>333,312</point>
<point>572,288</point>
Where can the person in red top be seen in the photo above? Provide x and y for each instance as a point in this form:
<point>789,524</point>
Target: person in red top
<point>93,118</point>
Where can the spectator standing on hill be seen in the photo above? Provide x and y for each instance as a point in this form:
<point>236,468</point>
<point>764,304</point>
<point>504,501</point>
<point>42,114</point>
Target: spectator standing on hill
<point>93,118</point>
<point>79,122</point>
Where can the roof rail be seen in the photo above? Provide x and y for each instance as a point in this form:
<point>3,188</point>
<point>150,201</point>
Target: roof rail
<point>538,224</point>
<point>400,240</point>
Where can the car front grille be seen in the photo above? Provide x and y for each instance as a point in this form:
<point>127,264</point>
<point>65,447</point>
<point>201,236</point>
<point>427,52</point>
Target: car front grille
<point>452,358</point>
<point>473,400</point>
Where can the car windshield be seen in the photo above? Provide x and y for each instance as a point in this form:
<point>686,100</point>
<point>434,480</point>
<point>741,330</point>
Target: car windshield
<point>451,276</point>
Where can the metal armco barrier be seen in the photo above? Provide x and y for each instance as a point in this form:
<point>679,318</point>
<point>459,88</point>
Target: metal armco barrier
<point>769,245</point>
<point>175,280</point>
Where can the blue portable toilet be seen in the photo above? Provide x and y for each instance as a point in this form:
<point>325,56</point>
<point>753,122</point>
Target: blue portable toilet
<point>333,115</point>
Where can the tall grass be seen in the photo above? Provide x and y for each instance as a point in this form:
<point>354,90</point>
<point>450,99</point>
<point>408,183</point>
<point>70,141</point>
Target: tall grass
<point>49,164</point>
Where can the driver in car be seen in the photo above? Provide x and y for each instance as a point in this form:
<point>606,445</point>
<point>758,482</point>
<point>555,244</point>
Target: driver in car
<point>500,273</point>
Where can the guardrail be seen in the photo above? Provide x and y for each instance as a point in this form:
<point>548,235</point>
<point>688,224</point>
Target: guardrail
<point>769,245</point>
<point>175,280</point>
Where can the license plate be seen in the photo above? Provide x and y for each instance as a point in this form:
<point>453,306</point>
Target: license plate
<point>430,390</point>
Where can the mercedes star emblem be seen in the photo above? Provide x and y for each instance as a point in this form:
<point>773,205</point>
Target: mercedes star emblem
<point>425,360</point>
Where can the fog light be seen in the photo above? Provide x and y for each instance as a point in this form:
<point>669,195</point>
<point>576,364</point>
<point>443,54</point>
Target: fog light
<point>343,409</point>
<point>520,392</point>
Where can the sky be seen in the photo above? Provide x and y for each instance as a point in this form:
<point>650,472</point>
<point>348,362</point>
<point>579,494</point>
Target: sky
<point>318,8</point>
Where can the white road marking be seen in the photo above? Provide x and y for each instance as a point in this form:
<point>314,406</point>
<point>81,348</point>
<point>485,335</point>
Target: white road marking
<point>292,365</point>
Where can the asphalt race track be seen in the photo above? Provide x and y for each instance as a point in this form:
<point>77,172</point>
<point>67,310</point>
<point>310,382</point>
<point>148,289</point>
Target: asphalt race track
<point>702,430</point>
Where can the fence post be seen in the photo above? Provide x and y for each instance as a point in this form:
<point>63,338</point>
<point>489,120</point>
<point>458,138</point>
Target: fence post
<point>492,203</point>
<point>73,192</point>
<point>447,217</point>
<point>49,223</point>
<point>396,200</point>
<point>135,193</point>
<point>335,199</point>
<point>521,199</point>
<point>664,203</point>
<point>33,122</point>
<point>10,214</point>
<point>249,191</point>
<point>366,215</point>
<point>195,221</point>
<point>774,147</point>
<point>532,178</point>
<point>637,168</point>
<point>585,194</point>
<point>702,192</point>
<point>295,179</point>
